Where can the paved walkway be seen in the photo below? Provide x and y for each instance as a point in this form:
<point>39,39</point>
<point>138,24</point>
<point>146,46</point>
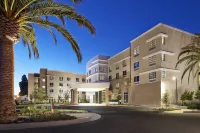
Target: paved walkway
<point>82,118</point>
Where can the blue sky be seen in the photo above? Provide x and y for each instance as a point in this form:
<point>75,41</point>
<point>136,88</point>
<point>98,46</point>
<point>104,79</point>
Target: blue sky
<point>117,22</point>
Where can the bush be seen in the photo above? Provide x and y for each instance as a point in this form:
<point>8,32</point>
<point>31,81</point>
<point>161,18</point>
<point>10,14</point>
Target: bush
<point>194,106</point>
<point>49,116</point>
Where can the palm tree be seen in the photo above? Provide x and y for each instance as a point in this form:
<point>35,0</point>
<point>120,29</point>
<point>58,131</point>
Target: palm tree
<point>190,55</point>
<point>18,19</point>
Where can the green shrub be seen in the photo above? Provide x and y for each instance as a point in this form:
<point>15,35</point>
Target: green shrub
<point>194,106</point>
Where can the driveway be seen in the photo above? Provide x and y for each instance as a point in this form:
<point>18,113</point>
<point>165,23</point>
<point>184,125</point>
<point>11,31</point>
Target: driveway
<point>126,120</point>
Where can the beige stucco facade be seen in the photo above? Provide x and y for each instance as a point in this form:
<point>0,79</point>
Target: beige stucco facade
<point>168,43</point>
<point>119,64</point>
<point>55,83</point>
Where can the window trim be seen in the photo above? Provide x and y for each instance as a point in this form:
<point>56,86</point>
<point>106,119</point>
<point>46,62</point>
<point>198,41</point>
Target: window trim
<point>152,61</point>
<point>138,65</point>
<point>154,78</point>
<point>137,82</point>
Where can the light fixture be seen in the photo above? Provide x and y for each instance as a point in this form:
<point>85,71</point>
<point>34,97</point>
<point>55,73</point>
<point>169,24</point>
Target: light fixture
<point>173,78</point>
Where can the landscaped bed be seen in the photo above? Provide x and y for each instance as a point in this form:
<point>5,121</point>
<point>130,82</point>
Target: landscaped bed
<point>162,109</point>
<point>35,113</point>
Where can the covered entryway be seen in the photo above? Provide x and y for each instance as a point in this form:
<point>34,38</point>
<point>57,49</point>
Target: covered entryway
<point>90,93</point>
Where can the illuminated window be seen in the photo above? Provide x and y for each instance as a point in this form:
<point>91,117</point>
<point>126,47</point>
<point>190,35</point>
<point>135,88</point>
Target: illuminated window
<point>136,51</point>
<point>163,57</point>
<point>101,77</point>
<point>163,74</point>
<point>117,85</point>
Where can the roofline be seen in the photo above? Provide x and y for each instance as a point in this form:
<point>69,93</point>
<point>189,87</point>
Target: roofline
<point>161,24</point>
<point>96,56</point>
<point>119,53</point>
<point>65,72</point>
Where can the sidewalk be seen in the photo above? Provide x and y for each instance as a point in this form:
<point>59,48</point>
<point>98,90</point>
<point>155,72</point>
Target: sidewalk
<point>82,118</point>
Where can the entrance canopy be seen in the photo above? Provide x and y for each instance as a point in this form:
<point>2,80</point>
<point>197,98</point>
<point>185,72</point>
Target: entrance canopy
<point>91,86</point>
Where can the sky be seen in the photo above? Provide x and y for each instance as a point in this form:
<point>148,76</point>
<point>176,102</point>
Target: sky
<point>117,22</point>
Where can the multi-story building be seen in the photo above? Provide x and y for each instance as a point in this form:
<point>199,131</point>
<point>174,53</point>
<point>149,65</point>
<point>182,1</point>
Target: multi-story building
<point>55,83</point>
<point>141,74</point>
<point>120,75</point>
<point>97,69</point>
<point>154,55</point>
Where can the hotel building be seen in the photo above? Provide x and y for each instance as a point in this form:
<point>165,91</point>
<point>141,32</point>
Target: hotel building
<point>140,74</point>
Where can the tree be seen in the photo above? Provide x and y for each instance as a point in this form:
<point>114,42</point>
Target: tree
<point>19,18</point>
<point>31,97</point>
<point>197,95</point>
<point>190,96</point>
<point>184,97</point>
<point>23,86</point>
<point>67,96</point>
<point>165,98</point>
<point>39,96</point>
<point>190,56</point>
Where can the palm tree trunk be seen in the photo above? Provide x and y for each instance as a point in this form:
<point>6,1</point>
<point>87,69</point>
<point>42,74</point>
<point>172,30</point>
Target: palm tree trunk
<point>7,108</point>
<point>9,35</point>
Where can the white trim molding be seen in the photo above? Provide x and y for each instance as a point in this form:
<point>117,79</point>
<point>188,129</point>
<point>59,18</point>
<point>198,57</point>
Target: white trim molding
<point>158,35</point>
<point>161,24</point>
<point>119,53</point>
<point>99,60</point>
<point>96,74</point>
<point>159,69</point>
<point>159,52</point>
<point>97,65</point>
<point>122,59</point>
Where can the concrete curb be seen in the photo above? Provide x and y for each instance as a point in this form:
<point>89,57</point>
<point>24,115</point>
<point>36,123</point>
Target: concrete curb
<point>82,118</point>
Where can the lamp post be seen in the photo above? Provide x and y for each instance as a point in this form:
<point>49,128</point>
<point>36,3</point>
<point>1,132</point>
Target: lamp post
<point>175,79</point>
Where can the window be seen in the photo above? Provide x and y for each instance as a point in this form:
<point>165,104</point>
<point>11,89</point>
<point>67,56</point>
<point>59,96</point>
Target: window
<point>163,74</point>
<point>110,78</point>
<point>125,97</point>
<point>51,77</point>
<point>51,90</point>
<point>136,79</point>
<point>68,78</point>
<point>101,68</point>
<point>83,80</point>
<point>61,91</point>
<point>124,63</point>
<point>163,40</point>
<point>101,77</point>
<point>163,57</point>
<point>136,51</point>
<point>110,69</point>
<point>117,85</point>
<point>117,66</point>
<point>152,44</point>
<point>152,76</point>
<point>77,79</point>
<point>152,60</point>
<point>51,84</point>
<point>90,72</point>
<point>61,78</point>
<point>67,84</point>
<point>96,70</point>
<point>90,80</point>
<point>124,73</point>
<point>117,75</point>
<point>136,65</point>
<point>60,84</point>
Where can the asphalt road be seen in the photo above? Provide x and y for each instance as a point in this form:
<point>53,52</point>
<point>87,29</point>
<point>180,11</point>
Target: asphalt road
<point>126,120</point>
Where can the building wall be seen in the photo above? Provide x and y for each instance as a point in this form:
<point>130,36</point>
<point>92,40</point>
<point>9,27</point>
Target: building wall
<point>121,85</point>
<point>143,92</point>
<point>44,81</point>
<point>93,70</point>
